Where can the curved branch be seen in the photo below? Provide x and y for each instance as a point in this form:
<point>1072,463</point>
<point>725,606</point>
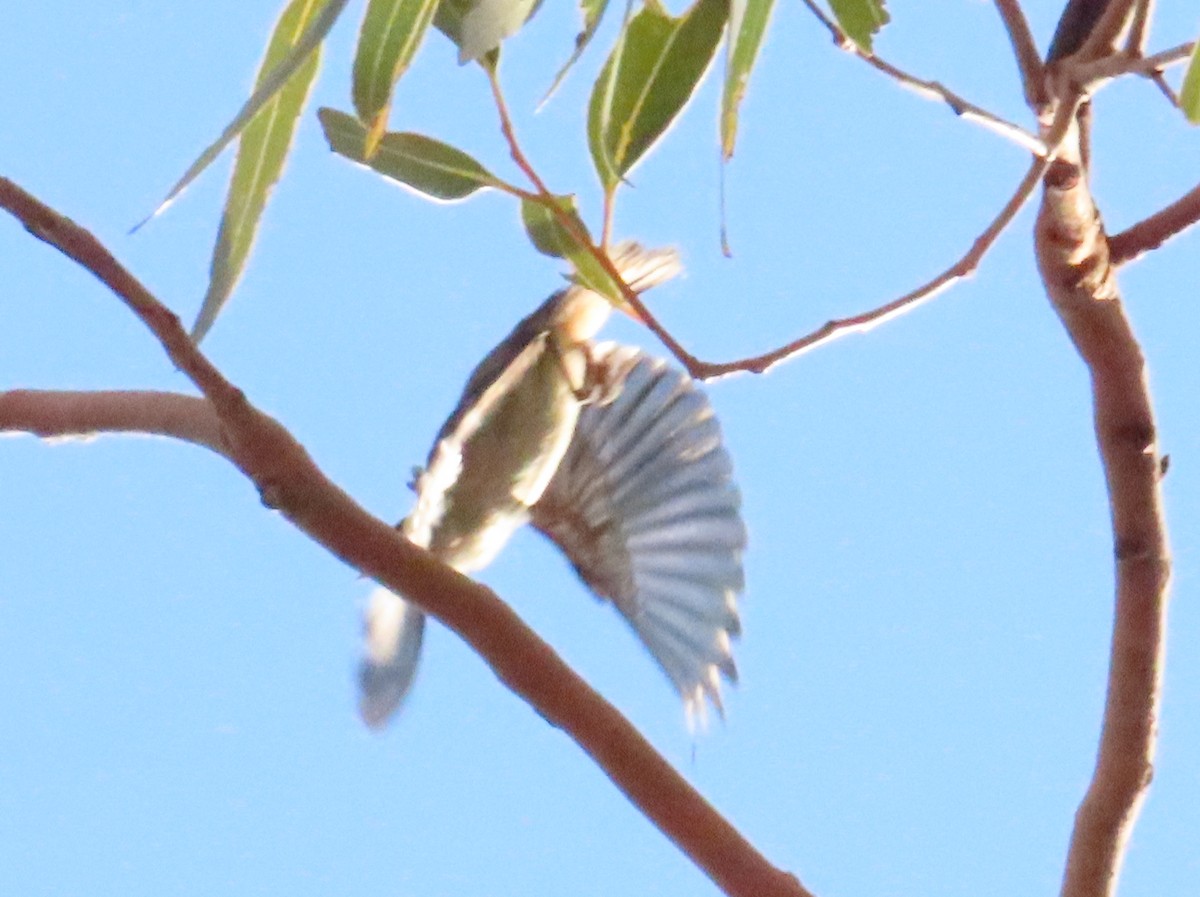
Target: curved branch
<point>290,482</point>
<point>964,267</point>
<point>1080,279</point>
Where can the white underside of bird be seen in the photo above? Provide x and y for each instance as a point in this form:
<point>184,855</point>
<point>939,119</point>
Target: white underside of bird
<point>613,455</point>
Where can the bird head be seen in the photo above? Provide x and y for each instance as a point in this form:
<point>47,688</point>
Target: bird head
<point>581,312</point>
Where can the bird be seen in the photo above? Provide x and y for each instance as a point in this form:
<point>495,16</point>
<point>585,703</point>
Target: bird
<point>614,456</point>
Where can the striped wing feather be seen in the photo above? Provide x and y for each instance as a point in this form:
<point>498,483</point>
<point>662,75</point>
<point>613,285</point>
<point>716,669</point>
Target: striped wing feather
<point>645,508</point>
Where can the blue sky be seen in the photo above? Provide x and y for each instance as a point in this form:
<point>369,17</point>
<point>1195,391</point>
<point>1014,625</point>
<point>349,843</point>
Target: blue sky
<point>929,581</point>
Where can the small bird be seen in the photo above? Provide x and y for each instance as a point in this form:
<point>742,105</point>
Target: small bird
<point>614,456</point>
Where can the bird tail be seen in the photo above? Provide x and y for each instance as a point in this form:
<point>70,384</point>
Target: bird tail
<point>392,633</point>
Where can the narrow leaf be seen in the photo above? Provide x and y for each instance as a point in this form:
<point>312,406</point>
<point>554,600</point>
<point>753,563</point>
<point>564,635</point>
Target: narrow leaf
<point>325,14</point>
<point>392,31</point>
<point>1189,94</point>
<point>428,166</point>
<point>860,19</point>
<point>551,237</point>
<point>593,12</point>
<point>747,25</point>
<point>600,114</point>
<point>262,151</point>
<point>648,80</point>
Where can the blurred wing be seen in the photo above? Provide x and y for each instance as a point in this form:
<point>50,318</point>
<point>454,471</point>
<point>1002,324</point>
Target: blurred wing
<point>645,508</point>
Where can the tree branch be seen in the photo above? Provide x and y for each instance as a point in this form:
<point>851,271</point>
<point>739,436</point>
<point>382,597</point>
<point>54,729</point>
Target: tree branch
<point>932,90</point>
<point>1080,279</point>
<point>1029,61</point>
<point>61,413</point>
<point>861,323</point>
<point>1152,232</point>
<point>290,482</point>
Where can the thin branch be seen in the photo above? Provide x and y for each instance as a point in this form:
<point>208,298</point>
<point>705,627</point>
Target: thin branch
<point>1029,60</point>
<point>963,108</point>
<point>1108,32</point>
<point>546,197</point>
<point>703,370</point>
<point>289,481</point>
<point>840,38</point>
<point>932,90</point>
<point>57,413</point>
<point>1139,28</point>
<point>1090,74</point>
<point>1152,232</point>
<point>1139,38</point>
<point>510,134</point>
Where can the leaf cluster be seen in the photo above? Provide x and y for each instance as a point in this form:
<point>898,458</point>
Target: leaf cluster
<point>655,65</point>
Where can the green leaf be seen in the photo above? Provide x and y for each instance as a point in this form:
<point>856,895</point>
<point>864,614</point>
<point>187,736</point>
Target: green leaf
<point>552,237</point>
<point>593,12</point>
<point>321,16</point>
<point>747,25</point>
<point>428,166</point>
<point>1189,94</point>
<point>262,151</point>
<point>860,19</point>
<point>479,26</point>
<point>647,80</point>
<point>391,33</point>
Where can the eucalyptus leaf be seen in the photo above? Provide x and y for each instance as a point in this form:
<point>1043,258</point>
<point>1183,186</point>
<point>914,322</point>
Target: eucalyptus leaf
<point>432,168</point>
<point>647,81</point>
<point>860,19</point>
<point>391,34</point>
<point>747,26</point>
<point>593,12</point>
<point>1189,94</point>
<point>323,14</point>
<point>262,151</point>
<point>552,237</point>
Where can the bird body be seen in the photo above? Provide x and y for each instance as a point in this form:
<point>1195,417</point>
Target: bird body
<point>500,460</point>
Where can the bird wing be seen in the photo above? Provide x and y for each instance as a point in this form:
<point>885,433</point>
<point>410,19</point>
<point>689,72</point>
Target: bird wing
<point>645,508</point>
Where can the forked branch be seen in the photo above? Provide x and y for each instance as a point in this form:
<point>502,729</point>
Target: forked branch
<point>1079,276</point>
<point>290,482</point>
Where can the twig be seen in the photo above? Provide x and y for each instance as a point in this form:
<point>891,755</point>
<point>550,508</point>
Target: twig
<point>1106,33</point>
<point>840,38</point>
<point>861,323</point>
<point>932,90</point>
<point>288,480</point>
<point>1090,73</point>
<point>1139,28</point>
<point>1139,37</point>
<point>1152,232</point>
<point>510,134</point>
<point>1029,60</point>
<point>706,370</point>
<point>546,197</point>
<point>961,107</point>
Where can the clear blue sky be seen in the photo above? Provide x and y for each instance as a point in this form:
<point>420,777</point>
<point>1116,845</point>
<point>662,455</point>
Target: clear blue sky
<point>929,580</point>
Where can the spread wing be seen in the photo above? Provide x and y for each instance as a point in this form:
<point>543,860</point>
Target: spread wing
<point>645,508</point>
